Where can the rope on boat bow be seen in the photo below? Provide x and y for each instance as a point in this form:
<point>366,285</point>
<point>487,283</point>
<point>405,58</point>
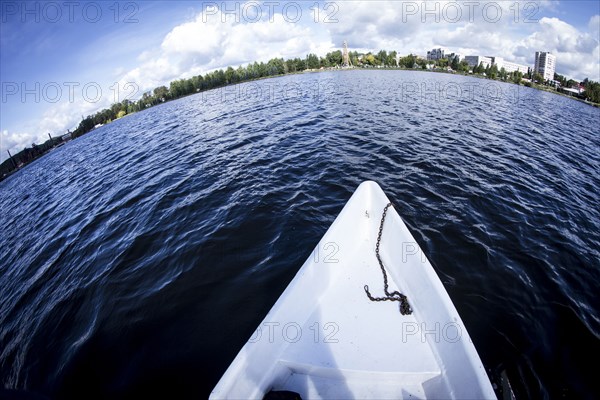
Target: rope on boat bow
<point>389,296</point>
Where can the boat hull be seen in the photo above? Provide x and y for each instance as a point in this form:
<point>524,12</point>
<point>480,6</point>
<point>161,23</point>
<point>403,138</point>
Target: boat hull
<point>324,338</point>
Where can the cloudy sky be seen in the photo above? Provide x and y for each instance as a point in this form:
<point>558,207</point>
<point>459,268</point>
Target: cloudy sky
<point>60,61</point>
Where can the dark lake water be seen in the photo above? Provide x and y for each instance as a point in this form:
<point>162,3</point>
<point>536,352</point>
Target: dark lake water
<point>138,259</point>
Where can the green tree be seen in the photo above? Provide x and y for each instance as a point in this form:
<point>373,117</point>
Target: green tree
<point>312,61</point>
<point>423,63</point>
<point>391,59</point>
<point>230,75</point>
<point>591,90</point>
<point>493,71</point>
<point>300,64</point>
<point>103,117</point>
<point>115,108</point>
<point>253,70</point>
<point>188,86</point>
<point>408,61</point>
<point>353,55</point>
<point>480,69</point>
<point>442,63</point>
<point>291,66</point>
<point>517,76</point>
<point>176,89</point>
<point>86,125</point>
<point>502,74</point>
<point>161,93</point>
<point>537,78</point>
<point>275,66</point>
<point>455,65</point>
<point>198,82</point>
<point>220,77</point>
<point>334,58</point>
<point>370,59</point>
<point>241,73</point>
<point>382,57</point>
<point>560,79</point>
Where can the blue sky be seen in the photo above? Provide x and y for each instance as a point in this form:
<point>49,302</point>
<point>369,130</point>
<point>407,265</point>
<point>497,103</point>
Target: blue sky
<point>51,50</point>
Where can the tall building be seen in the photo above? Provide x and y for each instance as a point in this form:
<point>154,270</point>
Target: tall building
<point>435,54</point>
<point>545,64</point>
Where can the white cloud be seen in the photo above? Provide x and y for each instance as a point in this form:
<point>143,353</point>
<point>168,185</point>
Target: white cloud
<point>14,141</point>
<point>577,53</point>
<point>594,26</point>
<point>195,38</point>
<point>208,43</point>
<point>64,116</point>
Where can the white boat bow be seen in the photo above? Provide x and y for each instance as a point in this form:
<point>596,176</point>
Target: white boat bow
<point>324,338</point>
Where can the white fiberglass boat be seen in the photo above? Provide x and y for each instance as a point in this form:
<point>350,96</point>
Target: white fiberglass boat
<point>328,337</point>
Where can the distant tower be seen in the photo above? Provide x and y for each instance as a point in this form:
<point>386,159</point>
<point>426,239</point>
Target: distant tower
<point>345,56</point>
<point>12,159</point>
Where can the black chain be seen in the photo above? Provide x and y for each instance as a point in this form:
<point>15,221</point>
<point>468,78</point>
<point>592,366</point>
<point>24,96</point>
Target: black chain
<point>395,295</point>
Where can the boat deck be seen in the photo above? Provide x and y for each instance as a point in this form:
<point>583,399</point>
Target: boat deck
<point>349,342</point>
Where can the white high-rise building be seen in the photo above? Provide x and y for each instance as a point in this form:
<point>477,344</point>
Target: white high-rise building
<point>545,64</point>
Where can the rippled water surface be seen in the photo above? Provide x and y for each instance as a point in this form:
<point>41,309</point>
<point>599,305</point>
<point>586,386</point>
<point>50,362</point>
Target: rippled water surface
<point>139,258</point>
